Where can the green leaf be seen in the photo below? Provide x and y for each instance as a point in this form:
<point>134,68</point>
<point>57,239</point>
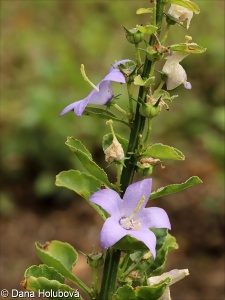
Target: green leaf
<point>44,271</point>
<point>82,184</point>
<point>148,29</point>
<point>153,292</point>
<point>52,289</point>
<point>62,257</point>
<point>144,11</point>
<point>76,144</point>
<point>102,114</point>
<point>147,265</point>
<point>129,243</point>
<point>187,4</point>
<point>108,138</point>
<point>175,188</point>
<point>163,152</point>
<point>55,251</point>
<point>86,160</point>
<point>155,267</point>
<point>125,292</point>
<point>188,48</point>
<point>140,82</point>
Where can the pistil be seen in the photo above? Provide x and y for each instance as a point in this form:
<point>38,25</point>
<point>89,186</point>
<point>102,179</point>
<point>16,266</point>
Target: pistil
<point>128,222</point>
<point>87,79</point>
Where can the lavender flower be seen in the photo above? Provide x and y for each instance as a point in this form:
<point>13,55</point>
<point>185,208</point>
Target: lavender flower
<point>101,94</point>
<point>175,72</point>
<point>129,215</point>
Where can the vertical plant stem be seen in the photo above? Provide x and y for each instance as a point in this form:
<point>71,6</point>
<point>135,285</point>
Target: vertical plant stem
<point>109,278</point>
<point>148,130</point>
<point>95,281</point>
<point>138,56</point>
<point>109,274</point>
<point>139,121</point>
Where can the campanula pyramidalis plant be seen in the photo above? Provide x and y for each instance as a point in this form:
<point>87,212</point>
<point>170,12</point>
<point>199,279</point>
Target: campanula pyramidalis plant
<point>129,215</point>
<point>136,237</point>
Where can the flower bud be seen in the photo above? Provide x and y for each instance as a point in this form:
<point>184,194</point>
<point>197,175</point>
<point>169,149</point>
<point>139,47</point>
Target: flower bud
<point>134,36</point>
<point>95,259</point>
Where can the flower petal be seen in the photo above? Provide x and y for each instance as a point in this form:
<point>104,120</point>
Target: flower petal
<point>176,76</point>
<point>68,108</point>
<point>104,95</point>
<point>147,237</point>
<point>134,193</point>
<point>187,85</point>
<point>175,57</point>
<point>115,75</point>
<point>119,63</point>
<point>153,217</point>
<point>109,200</point>
<point>111,233</point>
<point>78,106</point>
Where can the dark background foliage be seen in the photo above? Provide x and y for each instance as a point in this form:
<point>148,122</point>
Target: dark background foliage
<point>43,43</point>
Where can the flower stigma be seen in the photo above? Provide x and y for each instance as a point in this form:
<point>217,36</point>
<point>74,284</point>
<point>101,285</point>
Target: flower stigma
<point>127,222</point>
<point>86,78</point>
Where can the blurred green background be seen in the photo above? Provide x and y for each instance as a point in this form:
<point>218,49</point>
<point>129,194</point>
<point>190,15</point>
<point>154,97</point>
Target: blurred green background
<point>43,43</point>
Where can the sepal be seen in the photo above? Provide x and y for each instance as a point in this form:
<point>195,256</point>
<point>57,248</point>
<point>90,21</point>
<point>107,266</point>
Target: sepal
<point>148,29</point>
<point>188,48</point>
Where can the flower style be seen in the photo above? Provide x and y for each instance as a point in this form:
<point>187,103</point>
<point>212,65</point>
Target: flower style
<point>101,94</point>
<point>175,72</point>
<point>129,215</point>
<point>180,13</point>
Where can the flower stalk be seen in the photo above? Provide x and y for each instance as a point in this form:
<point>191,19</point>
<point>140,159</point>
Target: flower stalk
<point>108,285</point>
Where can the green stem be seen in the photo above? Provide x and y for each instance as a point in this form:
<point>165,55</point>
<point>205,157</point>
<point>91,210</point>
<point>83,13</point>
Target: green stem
<point>109,277</point>
<point>148,130</point>
<point>139,121</point>
<point>158,88</point>
<point>138,56</point>
<point>131,115</point>
<point>165,35</point>
<point>95,281</point>
<point>120,109</point>
<point>119,171</point>
<point>123,265</point>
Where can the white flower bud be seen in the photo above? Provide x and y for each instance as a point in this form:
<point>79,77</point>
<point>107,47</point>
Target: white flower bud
<point>180,13</point>
<point>114,152</point>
